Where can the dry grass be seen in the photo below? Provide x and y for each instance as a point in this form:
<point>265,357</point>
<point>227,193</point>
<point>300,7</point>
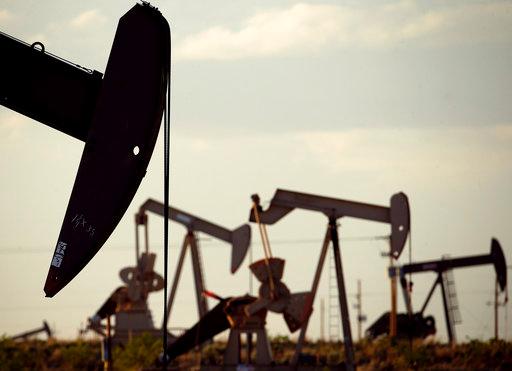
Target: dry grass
<point>382,354</point>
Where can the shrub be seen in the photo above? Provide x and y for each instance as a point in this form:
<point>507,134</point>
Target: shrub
<point>140,352</point>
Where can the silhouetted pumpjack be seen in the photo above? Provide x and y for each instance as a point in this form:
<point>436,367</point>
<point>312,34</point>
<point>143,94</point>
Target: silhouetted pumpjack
<point>117,115</point>
<point>495,257</point>
<point>25,335</point>
<point>239,239</point>
<point>415,326</point>
<point>247,314</point>
<point>128,303</point>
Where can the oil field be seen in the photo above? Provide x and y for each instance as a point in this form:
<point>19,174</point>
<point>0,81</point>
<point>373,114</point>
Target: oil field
<point>287,185</point>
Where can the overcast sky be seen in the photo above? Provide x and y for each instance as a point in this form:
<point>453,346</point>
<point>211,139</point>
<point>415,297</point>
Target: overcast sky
<point>350,99</point>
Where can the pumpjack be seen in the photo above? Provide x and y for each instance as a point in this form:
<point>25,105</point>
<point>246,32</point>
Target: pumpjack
<point>239,239</point>
<point>397,215</point>
<point>245,314</point>
<point>410,322</point>
<point>128,303</point>
<point>117,114</point>
<point>27,334</point>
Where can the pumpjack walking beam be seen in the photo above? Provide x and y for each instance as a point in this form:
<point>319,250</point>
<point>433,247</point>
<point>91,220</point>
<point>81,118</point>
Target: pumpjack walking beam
<point>239,239</point>
<point>397,214</point>
<point>495,257</point>
<point>46,88</point>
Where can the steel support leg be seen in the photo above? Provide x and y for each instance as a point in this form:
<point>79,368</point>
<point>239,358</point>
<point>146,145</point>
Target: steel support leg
<point>202,304</point>
<point>314,289</point>
<point>345,320</point>
<point>449,324</point>
<point>177,276</point>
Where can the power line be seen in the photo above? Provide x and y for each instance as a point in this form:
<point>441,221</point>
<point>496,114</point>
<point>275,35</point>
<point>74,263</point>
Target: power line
<point>209,242</point>
<point>41,307</point>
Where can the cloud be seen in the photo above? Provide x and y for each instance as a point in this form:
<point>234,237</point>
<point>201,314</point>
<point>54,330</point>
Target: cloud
<point>265,33</point>
<point>305,27</point>
<point>504,133</point>
<point>12,124</point>
<point>420,158</point>
<point>198,144</point>
<point>87,19</point>
<point>41,37</point>
<point>450,153</point>
<point>5,15</point>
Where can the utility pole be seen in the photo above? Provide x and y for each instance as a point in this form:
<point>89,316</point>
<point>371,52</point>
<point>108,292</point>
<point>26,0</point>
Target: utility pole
<point>250,274</point>
<point>322,313</point>
<point>392,316</point>
<point>496,303</point>
<point>359,316</point>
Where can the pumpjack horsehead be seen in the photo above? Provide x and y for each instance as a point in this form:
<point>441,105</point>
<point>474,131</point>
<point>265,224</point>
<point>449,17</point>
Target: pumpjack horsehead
<point>117,115</point>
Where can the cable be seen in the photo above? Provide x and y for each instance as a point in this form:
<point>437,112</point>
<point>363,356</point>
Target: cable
<point>167,137</point>
<point>409,285</point>
<point>207,242</point>
<point>263,233</point>
<point>266,247</point>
